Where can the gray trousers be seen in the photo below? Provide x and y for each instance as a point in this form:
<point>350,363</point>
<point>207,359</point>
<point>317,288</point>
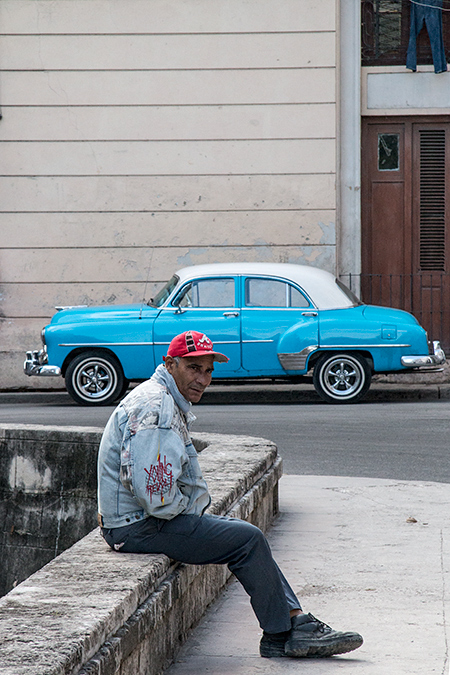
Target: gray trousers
<point>202,540</point>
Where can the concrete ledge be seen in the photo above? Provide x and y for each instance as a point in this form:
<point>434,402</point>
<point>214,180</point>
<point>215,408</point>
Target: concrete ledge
<point>92,610</point>
<point>48,494</point>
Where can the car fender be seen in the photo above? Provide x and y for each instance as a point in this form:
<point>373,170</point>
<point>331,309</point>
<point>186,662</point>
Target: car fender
<point>128,335</point>
<point>383,332</point>
<point>298,342</point>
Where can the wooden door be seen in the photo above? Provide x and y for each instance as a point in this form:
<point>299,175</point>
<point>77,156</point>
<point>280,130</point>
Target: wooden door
<point>405,228</point>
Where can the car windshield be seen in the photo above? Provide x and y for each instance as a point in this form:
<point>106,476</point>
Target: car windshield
<point>164,293</point>
<point>350,295</point>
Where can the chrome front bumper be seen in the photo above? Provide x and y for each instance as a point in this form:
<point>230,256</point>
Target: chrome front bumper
<point>428,362</point>
<point>36,364</point>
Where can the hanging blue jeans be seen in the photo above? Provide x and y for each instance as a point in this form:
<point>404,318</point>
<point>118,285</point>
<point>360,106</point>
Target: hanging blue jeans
<point>428,12</point>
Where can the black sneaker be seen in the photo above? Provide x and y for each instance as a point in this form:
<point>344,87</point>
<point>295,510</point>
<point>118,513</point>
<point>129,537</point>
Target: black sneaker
<point>311,637</point>
<point>272,644</point>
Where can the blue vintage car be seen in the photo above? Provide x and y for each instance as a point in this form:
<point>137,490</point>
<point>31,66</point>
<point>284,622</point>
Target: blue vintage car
<point>271,320</point>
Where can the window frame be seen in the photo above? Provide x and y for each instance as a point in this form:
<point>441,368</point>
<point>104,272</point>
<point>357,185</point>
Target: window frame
<point>289,285</point>
<point>175,302</point>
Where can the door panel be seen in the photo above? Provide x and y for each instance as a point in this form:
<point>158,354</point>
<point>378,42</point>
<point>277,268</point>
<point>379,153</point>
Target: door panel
<point>387,211</point>
<point>269,308</point>
<point>209,306</point>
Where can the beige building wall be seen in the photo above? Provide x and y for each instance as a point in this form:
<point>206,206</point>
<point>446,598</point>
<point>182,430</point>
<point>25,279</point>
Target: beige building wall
<point>140,136</point>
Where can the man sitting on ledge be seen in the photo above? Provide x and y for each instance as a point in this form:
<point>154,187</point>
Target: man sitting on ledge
<point>153,498</point>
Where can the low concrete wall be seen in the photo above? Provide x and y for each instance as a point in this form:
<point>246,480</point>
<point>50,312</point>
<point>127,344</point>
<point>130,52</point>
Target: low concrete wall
<point>48,500</point>
<point>93,611</point>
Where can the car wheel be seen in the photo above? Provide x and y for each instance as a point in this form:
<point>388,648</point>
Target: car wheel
<point>94,378</point>
<point>126,384</point>
<point>342,378</point>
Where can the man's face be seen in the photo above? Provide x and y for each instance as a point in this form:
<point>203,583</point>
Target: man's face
<point>192,374</point>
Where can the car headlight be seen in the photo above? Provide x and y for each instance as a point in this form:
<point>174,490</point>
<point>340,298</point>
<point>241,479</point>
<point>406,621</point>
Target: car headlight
<point>43,336</point>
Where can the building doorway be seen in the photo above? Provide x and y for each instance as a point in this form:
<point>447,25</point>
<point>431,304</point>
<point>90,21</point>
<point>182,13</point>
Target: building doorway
<point>405,218</point>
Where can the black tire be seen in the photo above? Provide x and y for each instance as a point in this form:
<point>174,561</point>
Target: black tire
<point>95,378</point>
<point>342,378</point>
<point>126,384</point>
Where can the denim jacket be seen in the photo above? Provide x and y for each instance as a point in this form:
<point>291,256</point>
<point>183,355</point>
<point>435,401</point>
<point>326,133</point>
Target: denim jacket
<point>147,465</point>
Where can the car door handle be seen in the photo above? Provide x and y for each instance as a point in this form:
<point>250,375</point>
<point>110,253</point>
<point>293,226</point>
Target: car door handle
<point>309,313</point>
<point>231,313</point>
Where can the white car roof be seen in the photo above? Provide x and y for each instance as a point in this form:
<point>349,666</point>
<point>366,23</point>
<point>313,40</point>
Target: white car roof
<point>320,285</point>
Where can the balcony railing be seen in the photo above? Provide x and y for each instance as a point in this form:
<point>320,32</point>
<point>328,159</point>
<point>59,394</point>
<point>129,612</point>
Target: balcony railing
<point>385,33</point>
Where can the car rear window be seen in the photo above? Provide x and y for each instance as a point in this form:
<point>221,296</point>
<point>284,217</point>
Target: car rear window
<point>350,295</point>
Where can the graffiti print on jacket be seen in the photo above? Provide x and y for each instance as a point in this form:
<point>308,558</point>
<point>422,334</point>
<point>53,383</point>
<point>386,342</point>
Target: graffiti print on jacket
<point>159,478</point>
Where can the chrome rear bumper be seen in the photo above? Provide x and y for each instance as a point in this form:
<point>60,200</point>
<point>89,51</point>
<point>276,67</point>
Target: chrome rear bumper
<point>428,362</point>
<point>36,364</point>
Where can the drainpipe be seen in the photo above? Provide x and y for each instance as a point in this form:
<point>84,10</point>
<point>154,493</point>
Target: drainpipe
<point>348,254</point>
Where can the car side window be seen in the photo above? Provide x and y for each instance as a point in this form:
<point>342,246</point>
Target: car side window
<point>297,299</point>
<point>272,293</point>
<point>207,293</point>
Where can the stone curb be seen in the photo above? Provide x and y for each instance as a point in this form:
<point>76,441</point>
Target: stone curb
<point>279,394</point>
<point>268,393</point>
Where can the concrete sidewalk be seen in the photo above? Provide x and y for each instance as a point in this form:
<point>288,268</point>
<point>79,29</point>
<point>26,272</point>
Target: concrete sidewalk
<point>363,554</point>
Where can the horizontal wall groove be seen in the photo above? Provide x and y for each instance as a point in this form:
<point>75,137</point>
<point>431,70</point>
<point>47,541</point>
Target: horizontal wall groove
<point>192,33</point>
<point>164,211</point>
<point>69,283</point>
<point>79,283</point>
<point>142,247</point>
<point>173,140</point>
<point>165,105</point>
<point>161,70</point>
<point>162,175</point>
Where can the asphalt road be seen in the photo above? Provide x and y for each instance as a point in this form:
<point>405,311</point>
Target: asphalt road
<point>397,440</point>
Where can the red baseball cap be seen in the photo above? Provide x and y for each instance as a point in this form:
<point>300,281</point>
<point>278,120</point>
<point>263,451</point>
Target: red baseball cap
<point>193,343</point>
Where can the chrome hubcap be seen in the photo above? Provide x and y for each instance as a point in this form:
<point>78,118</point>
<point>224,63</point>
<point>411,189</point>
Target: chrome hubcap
<point>94,379</point>
<point>342,377</point>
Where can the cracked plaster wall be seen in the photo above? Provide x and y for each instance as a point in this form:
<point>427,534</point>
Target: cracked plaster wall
<point>140,137</point>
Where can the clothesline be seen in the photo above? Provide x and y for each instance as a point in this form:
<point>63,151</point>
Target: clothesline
<point>424,4</point>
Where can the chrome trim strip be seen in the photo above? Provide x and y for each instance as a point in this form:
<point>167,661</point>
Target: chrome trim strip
<point>241,309</point>
<point>216,342</point>
<point>278,309</point>
<point>104,344</point>
<point>59,308</point>
<point>130,344</point>
<point>200,309</point>
<point>361,346</point>
<point>296,360</point>
<point>248,342</point>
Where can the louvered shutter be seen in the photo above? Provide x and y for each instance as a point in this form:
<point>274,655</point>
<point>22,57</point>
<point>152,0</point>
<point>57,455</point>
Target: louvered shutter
<point>432,200</point>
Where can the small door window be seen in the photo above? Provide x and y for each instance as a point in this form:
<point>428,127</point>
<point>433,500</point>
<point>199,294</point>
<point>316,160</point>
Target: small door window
<point>272,293</point>
<point>207,293</point>
<point>388,152</point>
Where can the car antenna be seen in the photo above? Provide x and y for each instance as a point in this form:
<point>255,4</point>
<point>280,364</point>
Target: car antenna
<point>146,284</point>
